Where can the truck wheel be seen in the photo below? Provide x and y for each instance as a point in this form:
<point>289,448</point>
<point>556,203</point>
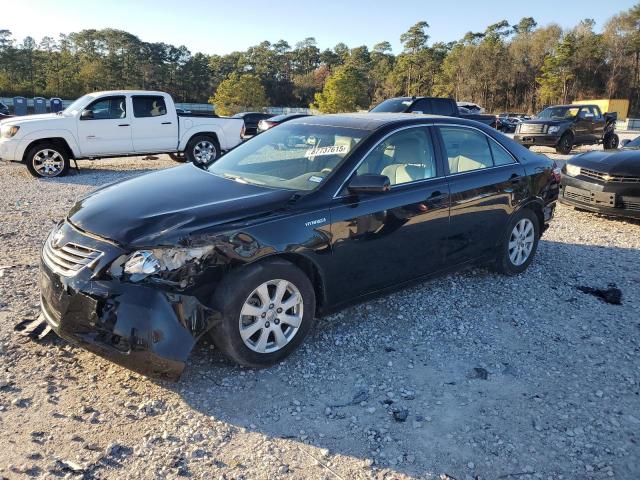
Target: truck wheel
<point>178,157</point>
<point>47,160</point>
<point>202,149</point>
<point>267,309</point>
<point>611,141</point>
<point>565,144</point>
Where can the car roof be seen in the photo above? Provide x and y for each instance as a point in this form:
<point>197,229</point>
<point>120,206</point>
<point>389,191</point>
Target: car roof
<point>374,121</point>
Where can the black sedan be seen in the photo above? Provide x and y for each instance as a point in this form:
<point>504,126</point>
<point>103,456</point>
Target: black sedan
<point>607,182</point>
<point>278,119</point>
<point>303,219</point>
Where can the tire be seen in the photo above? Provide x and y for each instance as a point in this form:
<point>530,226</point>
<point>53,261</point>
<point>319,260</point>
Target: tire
<point>565,144</point>
<point>178,157</point>
<point>505,263</point>
<point>238,292</point>
<point>47,160</point>
<point>611,141</point>
<point>202,149</point>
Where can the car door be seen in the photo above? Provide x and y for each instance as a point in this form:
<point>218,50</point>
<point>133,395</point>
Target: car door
<point>597,125</point>
<point>583,126</point>
<point>154,128</point>
<point>486,183</point>
<point>386,238</point>
<point>104,127</point>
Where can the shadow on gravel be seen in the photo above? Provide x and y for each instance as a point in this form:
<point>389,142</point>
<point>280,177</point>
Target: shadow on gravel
<point>413,381</point>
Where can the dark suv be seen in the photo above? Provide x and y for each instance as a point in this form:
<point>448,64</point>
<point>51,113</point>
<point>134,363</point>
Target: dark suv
<point>567,126</point>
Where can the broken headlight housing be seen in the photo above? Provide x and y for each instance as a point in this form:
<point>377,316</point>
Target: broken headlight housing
<point>158,262</point>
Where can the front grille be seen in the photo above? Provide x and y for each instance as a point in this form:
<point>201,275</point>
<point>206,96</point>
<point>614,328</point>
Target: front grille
<point>577,197</point>
<point>69,258</point>
<point>533,128</point>
<point>630,203</point>
<point>605,177</point>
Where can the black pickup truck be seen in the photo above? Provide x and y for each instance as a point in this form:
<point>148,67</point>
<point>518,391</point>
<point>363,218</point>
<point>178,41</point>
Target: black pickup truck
<point>567,126</point>
<point>433,106</point>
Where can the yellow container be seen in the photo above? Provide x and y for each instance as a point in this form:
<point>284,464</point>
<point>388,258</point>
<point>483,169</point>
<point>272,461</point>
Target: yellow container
<point>620,106</point>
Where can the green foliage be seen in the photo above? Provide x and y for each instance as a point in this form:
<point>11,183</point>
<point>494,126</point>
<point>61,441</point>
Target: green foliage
<point>238,93</point>
<point>505,67</point>
<point>344,91</point>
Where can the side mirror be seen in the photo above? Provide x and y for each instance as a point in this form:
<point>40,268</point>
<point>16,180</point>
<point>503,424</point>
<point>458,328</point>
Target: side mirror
<point>86,114</point>
<point>369,183</point>
<point>623,143</point>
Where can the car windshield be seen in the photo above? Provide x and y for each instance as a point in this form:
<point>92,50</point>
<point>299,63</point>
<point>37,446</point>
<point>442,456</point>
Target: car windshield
<point>394,105</point>
<point>293,156</point>
<point>558,113</point>
<point>633,143</point>
<point>77,105</point>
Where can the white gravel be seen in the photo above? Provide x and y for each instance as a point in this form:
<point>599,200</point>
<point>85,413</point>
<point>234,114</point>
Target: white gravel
<point>471,376</point>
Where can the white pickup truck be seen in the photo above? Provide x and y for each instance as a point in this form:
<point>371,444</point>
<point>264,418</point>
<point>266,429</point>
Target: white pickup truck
<point>115,124</point>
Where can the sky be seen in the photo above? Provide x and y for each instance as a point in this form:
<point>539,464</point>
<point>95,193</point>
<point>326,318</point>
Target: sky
<point>221,27</point>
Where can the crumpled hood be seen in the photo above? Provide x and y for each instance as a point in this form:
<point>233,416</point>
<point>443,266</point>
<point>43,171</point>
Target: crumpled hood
<point>614,162</point>
<point>162,207</point>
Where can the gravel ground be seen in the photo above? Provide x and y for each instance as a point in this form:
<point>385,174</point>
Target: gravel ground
<point>480,376</point>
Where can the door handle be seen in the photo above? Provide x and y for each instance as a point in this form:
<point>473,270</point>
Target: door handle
<point>123,125</point>
<point>515,178</point>
<point>437,196</point>
<point>166,123</point>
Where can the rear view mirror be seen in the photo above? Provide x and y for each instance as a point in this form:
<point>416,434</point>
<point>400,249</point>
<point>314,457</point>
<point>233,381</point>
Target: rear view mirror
<point>86,114</point>
<point>369,183</point>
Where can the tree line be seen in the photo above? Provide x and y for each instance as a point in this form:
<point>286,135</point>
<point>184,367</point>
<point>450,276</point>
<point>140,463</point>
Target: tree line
<point>520,67</point>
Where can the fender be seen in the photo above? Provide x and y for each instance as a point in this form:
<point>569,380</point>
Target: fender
<point>224,135</point>
<point>40,135</point>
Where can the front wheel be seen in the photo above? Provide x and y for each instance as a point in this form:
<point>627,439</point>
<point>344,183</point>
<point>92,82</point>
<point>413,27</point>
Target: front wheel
<point>47,161</point>
<point>267,311</point>
<point>565,144</point>
<point>520,243</point>
<point>202,149</point>
<point>611,141</point>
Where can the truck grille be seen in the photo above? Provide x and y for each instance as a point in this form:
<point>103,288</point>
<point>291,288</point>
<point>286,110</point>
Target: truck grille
<point>69,258</point>
<point>631,203</point>
<point>605,177</point>
<point>533,128</point>
<point>576,196</point>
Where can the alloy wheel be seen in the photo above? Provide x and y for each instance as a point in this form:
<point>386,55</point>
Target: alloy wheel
<point>271,316</point>
<point>48,163</point>
<point>521,242</point>
<point>204,151</point>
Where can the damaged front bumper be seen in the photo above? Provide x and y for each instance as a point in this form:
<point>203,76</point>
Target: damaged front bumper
<point>146,329</point>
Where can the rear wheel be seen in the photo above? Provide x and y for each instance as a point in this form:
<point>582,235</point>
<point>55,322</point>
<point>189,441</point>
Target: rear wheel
<point>267,311</point>
<point>520,243</point>
<point>611,141</point>
<point>47,160</point>
<point>565,144</point>
<point>202,149</point>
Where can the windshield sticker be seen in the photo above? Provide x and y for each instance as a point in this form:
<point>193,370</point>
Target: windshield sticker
<point>331,150</point>
<point>315,179</point>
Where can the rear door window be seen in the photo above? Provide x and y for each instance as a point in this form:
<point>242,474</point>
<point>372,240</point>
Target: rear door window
<point>149,106</point>
<point>467,149</point>
<point>442,106</point>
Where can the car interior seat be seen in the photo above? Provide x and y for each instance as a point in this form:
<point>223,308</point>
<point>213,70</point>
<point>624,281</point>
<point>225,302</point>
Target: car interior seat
<point>411,161</point>
<point>473,154</point>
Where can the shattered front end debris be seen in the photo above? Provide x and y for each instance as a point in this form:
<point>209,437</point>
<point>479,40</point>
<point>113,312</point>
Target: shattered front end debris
<point>148,329</point>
